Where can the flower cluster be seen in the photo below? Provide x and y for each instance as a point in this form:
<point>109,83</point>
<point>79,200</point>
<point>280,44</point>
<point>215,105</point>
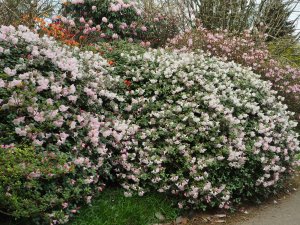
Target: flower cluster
<point>248,49</point>
<point>211,132</point>
<point>58,101</point>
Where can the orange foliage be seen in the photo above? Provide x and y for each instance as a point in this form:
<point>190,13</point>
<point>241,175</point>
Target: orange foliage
<point>57,31</point>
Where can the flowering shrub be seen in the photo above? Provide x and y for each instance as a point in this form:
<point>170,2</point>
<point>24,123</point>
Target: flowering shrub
<point>56,102</point>
<point>249,50</point>
<point>211,133</point>
<point>106,20</point>
<point>161,26</point>
<point>88,22</point>
<point>56,30</point>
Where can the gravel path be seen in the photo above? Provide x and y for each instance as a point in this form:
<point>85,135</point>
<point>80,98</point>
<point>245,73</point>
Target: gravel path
<point>286,212</point>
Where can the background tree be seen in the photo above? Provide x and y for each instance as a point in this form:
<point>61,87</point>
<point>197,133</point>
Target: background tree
<point>233,15</point>
<point>275,15</point>
<point>25,11</point>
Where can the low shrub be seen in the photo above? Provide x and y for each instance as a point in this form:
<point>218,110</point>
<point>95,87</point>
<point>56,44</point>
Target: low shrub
<point>212,133</point>
<point>26,177</point>
<point>56,101</point>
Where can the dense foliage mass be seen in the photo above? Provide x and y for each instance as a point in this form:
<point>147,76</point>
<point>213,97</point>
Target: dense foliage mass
<point>58,125</point>
<point>211,133</point>
<point>250,50</point>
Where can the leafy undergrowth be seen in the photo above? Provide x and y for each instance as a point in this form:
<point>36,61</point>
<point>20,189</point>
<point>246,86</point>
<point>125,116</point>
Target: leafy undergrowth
<point>113,208</point>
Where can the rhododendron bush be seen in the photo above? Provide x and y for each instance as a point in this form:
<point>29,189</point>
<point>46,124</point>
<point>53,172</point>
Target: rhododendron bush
<point>211,133</point>
<point>248,49</point>
<point>106,19</point>
<point>88,22</point>
<point>55,105</point>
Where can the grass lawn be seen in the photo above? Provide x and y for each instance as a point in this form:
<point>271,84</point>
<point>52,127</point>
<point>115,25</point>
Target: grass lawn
<point>112,208</point>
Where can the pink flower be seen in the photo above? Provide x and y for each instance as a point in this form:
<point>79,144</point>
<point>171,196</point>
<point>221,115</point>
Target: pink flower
<point>34,175</point>
<point>133,25</point>
<point>20,132</point>
<point>15,83</point>
<point>180,205</point>
<point>123,26</point>
<point>43,84</point>
<point>88,199</point>
<point>115,8</point>
<point>115,36</point>
<point>82,20</point>
<point>80,118</point>
<point>38,142</point>
<point>73,211</point>
<point>104,20</point>
<point>2,83</point>
<point>130,40</point>
<point>156,19</point>
<point>72,23</point>
<point>143,28</point>
<point>59,122</point>
<point>94,8</point>
<point>39,117</point>
<point>63,136</point>
<point>143,44</point>
<point>73,98</point>
<point>79,161</point>
<point>111,26</point>
<point>19,120</point>
<point>9,71</point>
<point>64,205</point>
<point>63,108</point>
<point>138,12</point>
<point>72,125</point>
<point>49,101</point>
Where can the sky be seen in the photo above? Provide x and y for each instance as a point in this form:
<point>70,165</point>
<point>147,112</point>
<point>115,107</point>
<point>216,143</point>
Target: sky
<point>295,14</point>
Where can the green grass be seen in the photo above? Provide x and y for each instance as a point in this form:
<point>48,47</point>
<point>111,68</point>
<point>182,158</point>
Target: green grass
<point>113,208</point>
